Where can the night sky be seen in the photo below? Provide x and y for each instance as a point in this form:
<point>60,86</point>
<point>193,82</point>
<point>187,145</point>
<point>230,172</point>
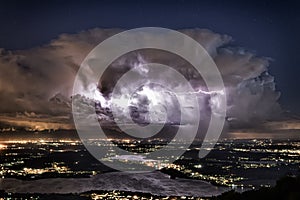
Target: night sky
<point>267,28</point>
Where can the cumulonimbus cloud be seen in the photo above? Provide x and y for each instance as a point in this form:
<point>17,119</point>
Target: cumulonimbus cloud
<point>40,79</point>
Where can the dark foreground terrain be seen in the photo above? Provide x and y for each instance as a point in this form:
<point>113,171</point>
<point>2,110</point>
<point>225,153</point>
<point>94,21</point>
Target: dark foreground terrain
<point>286,188</point>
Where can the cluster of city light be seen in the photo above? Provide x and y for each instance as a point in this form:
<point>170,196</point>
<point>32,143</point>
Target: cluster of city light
<point>123,196</point>
<point>3,146</point>
<point>54,168</point>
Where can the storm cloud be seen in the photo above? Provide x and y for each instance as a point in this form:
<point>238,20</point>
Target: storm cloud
<point>40,79</point>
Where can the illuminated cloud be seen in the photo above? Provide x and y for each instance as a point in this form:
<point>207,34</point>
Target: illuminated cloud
<point>40,79</point>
